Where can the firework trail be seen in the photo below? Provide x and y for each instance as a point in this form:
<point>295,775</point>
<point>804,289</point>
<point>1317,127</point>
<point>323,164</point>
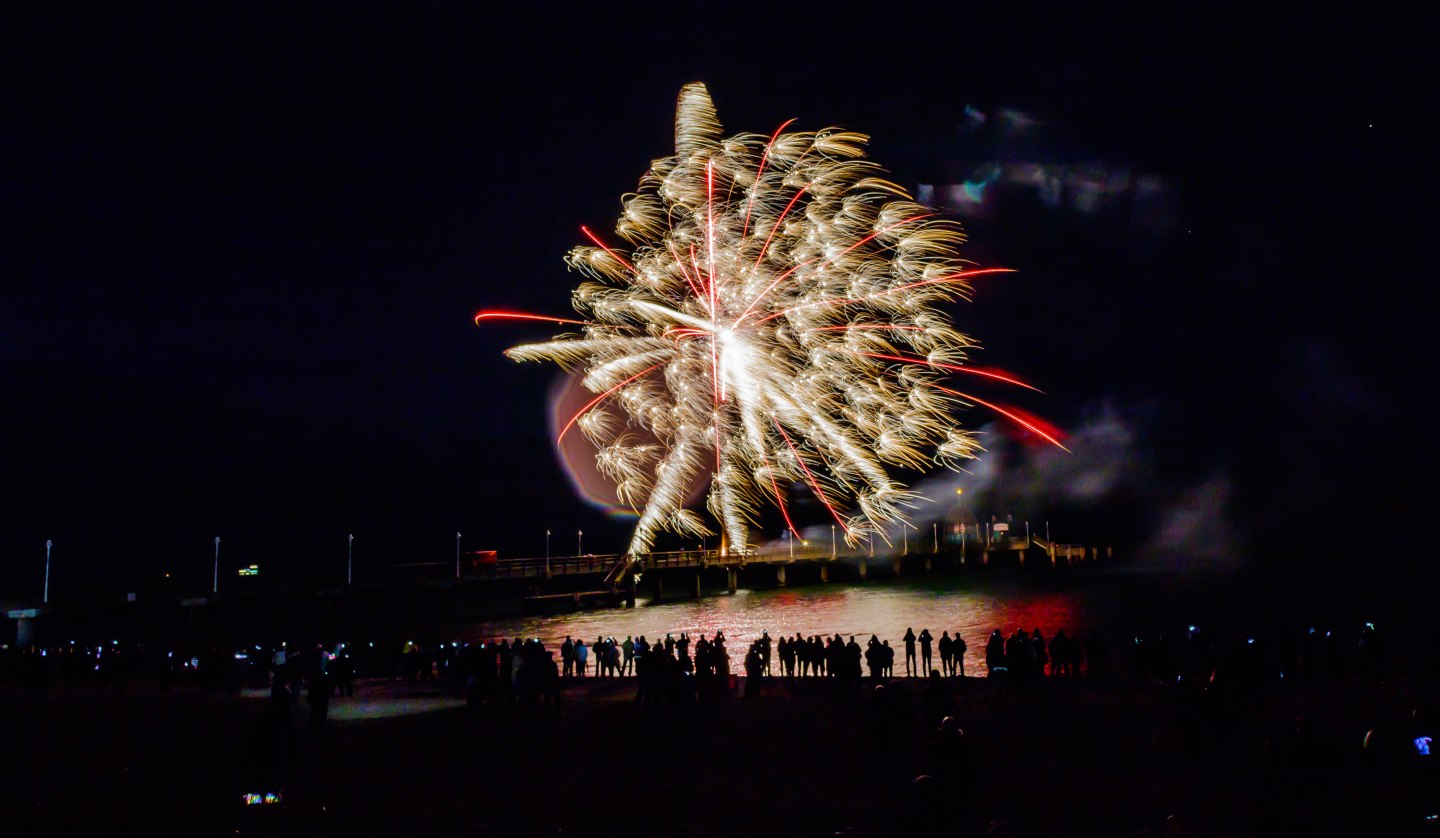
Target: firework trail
<point>771,320</point>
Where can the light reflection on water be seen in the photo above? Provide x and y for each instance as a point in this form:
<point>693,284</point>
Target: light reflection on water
<point>883,608</point>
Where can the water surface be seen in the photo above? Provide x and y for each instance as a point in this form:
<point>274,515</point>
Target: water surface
<point>885,608</point>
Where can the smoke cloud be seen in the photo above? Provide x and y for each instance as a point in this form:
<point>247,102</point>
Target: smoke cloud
<point>1105,490</point>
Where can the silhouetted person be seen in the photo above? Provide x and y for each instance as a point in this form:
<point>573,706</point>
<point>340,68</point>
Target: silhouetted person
<point>722,661</point>
<point>925,644</point>
<point>1017,656</point>
<point>874,659</point>
<point>344,665</point>
<point>909,653</point>
<point>853,656</point>
<point>998,666</point>
<point>549,685</point>
<point>945,755</point>
<point>1038,656</point>
<point>318,698</point>
<point>754,669</point>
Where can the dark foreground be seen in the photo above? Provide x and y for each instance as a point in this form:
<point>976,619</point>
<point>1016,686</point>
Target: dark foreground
<point>1123,755</point>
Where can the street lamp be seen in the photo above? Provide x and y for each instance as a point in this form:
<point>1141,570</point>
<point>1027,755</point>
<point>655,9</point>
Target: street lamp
<point>45,598</point>
<point>457,555</point>
<point>935,534</point>
<point>904,539</point>
<point>350,561</point>
<point>547,552</point>
<point>579,543</point>
<point>832,542</point>
<point>215,582</point>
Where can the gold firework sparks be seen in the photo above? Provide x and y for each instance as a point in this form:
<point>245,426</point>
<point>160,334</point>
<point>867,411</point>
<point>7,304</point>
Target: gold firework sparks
<point>772,319</point>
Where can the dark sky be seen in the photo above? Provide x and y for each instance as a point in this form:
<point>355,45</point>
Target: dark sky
<point>241,250</point>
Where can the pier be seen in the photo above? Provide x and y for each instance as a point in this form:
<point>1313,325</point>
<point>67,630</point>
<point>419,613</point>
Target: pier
<point>615,579</point>
<point>445,591</point>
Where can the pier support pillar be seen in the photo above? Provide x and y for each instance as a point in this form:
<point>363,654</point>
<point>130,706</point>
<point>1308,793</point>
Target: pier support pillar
<point>732,580</point>
<point>928,567</point>
<point>897,567</point>
<point>1109,552</point>
<point>657,588</point>
<point>780,575</point>
<point>862,568</point>
<point>697,585</point>
<point>824,572</point>
<point>985,557</point>
<point>24,632</point>
<point>630,592</point>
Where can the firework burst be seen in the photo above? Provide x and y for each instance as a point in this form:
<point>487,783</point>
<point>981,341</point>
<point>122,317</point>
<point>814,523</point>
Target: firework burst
<point>772,320</point>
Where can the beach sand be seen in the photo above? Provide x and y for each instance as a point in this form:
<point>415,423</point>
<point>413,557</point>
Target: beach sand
<point>1076,757</point>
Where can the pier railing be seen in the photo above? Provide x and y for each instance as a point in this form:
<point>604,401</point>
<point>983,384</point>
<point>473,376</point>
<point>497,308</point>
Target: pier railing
<point>610,563</point>
<point>615,568</point>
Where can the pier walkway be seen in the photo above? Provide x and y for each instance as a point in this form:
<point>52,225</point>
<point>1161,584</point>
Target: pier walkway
<point>616,576</point>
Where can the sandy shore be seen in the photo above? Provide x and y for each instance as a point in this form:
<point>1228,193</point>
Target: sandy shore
<point>1075,757</point>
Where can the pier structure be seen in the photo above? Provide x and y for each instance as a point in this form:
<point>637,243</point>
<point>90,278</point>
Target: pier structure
<point>667,574</point>
<point>589,580</point>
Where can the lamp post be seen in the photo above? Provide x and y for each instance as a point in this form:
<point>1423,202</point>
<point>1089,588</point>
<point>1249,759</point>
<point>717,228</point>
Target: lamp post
<point>832,542</point>
<point>45,597</point>
<point>215,582</point>
<point>350,561</point>
<point>904,539</point>
<point>457,555</point>
<point>935,535</point>
<point>789,544</point>
<point>579,543</point>
<point>547,552</point>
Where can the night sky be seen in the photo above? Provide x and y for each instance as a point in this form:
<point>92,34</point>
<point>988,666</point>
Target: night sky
<point>242,249</point>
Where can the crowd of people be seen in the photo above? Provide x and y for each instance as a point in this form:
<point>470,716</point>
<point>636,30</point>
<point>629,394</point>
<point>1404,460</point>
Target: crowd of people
<point>1209,679</point>
<point>1019,656</point>
<point>1209,675</point>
